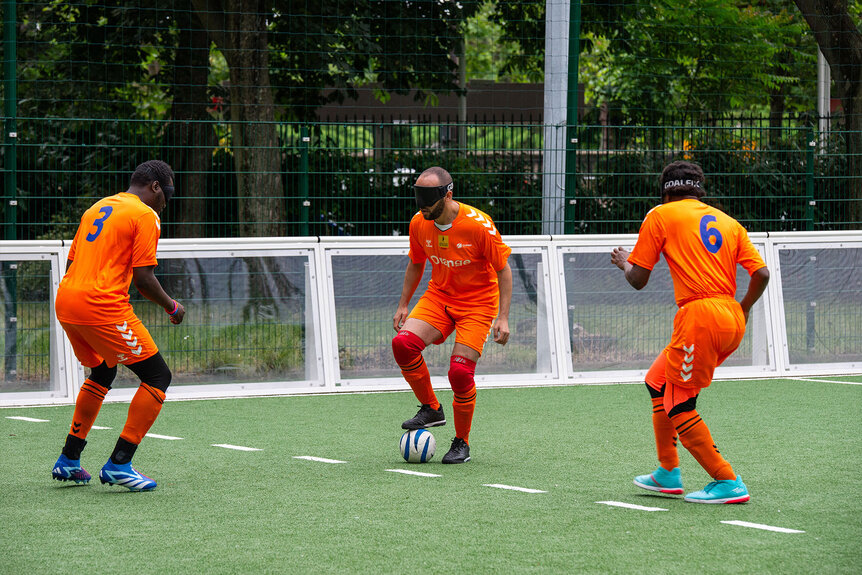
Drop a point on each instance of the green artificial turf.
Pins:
(797, 445)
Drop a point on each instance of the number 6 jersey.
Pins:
(116, 234)
(702, 246)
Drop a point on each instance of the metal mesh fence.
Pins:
(314, 119)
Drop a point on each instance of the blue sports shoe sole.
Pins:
(125, 476)
(70, 470)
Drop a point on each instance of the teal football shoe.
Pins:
(723, 491)
(661, 480)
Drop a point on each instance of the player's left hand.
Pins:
(501, 331)
(177, 318)
(619, 257)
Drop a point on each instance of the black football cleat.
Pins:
(458, 453)
(425, 418)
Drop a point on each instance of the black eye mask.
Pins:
(168, 191)
(427, 196)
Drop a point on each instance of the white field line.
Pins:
(764, 527)
(236, 447)
(99, 427)
(33, 419)
(419, 473)
(157, 436)
(320, 459)
(513, 488)
(826, 381)
(631, 506)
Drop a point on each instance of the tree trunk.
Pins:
(239, 29)
(191, 138)
(257, 156)
(841, 43)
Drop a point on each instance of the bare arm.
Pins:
(756, 287)
(635, 275)
(412, 277)
(146, 282)
(501, 324)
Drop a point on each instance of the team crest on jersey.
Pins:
(442, 241)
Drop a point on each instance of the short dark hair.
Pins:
(682, 179)
(442, 175)
(152, 171)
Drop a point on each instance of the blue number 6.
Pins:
(710, 237)
(105, 211)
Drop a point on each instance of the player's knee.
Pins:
(103, 375)
(153, 371)
(461, 374)
(406, 347)
(687, 405)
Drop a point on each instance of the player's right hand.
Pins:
(177, 318)
(399, 318)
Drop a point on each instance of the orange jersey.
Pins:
(702, 246)
(116, 234)
(465, 258)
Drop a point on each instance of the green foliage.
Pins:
(488, 54)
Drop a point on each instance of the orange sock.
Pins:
(419, 378)
(144, 409)
(665, 435)
(463, 406)
(695, 436)
(87, 407)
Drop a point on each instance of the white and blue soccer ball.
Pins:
(418, 446)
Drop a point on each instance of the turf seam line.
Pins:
(762, 526)
(513, 488)
(236, 447)
(631, 506)
(320, 459)
(419, 473)
(32, 419)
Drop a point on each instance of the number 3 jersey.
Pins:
(466, 257)
(116, 234)
(702, 246)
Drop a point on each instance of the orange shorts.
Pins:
(705, 333)
(471, 324)
(126, 343)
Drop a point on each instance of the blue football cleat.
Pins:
(723, 491)
(125, 476)
(661, 480)
(70, 470)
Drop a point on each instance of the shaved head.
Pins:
(434, 176)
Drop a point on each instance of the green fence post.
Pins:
(10, 112)
(9, 270)
(572, 116)
(810, 144)
(810, 320)
(305, 140)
